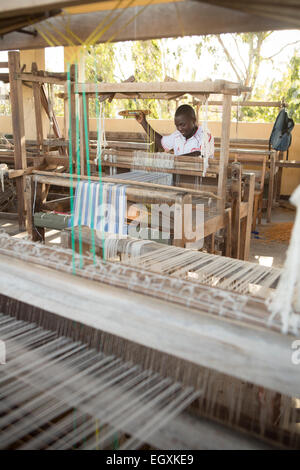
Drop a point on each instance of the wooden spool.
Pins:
(133, 112)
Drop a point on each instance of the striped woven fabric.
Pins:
(101, 206)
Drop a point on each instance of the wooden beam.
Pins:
(236, 209)
(4, 77)
(21, 7)
(29, 77)
(66, 178)
(133, 192)
(33, 197)
(57, 204)
(246, 222)
(9, 25)
(224, 150)
(9, 215)
(253, 354)
(36, 88)
(195, 18)
(207, 86)
(17, 173)
(287, 163)
(265, 104)
(271, 184)
(18, 126)
(83, 138)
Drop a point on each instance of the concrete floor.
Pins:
(261, 251)
(266, 252)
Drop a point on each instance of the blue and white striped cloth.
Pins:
(101, 206)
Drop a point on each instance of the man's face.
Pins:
(185, 125)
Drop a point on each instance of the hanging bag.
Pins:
(281, 137)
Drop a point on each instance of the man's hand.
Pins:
(141, 118)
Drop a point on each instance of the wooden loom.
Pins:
(213, 270)
(187, 166)
(184, 347)
(191, 352)
(197, 335)
(188, 172)
(250, 152)
(151, 193)
(123, 90)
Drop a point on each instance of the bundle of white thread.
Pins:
(3, 171)
(101, 141)
(285, 301)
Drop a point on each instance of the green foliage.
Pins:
(292, 95)
(5, 108)
(100, 67)
(58, 104)
(153, 60)
(147, 58)
(288, 87)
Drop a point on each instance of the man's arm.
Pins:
(141, 119)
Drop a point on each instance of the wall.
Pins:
(291, 178)
(247, 130)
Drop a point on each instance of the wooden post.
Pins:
(224, 150)
(247, 221)
(36, 88)
(187, 224)
(66, 114)
(83, 102)
(278, 179)
(180, 201)
(83, 136)
(33, 204)
(236, 208)
(29, 202)
(70, 132)
(271, 185)
(228, 232)
(18, 126)
(65, 237)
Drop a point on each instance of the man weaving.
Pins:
(186, 140)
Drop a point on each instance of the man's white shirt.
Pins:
(180, 145)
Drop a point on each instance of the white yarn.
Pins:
(157, 161)
(286, 299)
(101, 139)
(3, 171)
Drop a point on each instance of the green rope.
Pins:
(116, 442)
(78, 160)
(100, 152)
(87, 150)
(71, 169)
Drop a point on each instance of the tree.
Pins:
(243, 53)
(289, 87)
(100, 67)
(147, 58)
